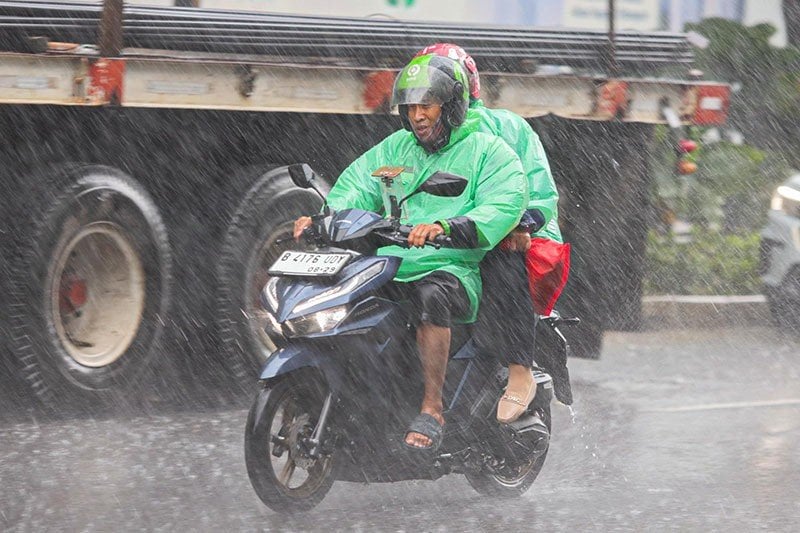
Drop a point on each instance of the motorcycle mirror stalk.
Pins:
(438, 184)
(303, 176)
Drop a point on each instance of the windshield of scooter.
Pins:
(392, 192)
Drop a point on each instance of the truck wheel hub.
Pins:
(98, 295)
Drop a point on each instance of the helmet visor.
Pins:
(419, 83)
(418, 95)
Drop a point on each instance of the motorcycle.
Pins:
(337, 395)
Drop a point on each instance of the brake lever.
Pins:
(439, 241)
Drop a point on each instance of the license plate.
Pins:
(292, 263)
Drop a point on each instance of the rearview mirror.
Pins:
(438, 184)
(302, 175)
(444, 184)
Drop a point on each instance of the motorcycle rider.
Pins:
(505, 279)
(439, 135)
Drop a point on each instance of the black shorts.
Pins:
(438, 298)
(506, 323)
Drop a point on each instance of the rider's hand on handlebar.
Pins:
(299, 225)
(424, 232)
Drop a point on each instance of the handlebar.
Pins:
(309, 234)
(437, 242)
(441, 240)
(393, 234)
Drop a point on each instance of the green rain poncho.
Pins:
(494, 199)
(519, 135)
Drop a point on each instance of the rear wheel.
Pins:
(90, 291)
(283, 473)
(784, 310)
(509, 481)
(259, 232)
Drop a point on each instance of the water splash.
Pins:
(572, 414)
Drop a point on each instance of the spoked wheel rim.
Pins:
(513, 477)
(298, 475)
(97, 294)
(259, 319)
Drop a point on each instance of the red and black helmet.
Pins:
(456, 53)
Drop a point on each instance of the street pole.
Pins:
(111, 28)
(613, 68)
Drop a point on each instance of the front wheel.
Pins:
(508, 481)
(286, 477)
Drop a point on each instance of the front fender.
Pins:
(257, 409)
(303, 355)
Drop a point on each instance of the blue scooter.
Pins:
(337, 395)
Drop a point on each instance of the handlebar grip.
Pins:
(309, 234)
(439, 241)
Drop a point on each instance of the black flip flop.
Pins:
(426, 425)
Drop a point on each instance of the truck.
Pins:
(144, 170)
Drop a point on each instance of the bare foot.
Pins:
(418, 440)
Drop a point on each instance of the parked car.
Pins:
(779, 265)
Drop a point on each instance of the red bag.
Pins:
(547, 262)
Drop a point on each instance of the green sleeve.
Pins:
(543, 193)
(519, 135)
(356, 188)
(501, 193)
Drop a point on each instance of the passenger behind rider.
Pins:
(439, 135)
(507, 320)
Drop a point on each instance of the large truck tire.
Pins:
(90, 287)
(260, 230)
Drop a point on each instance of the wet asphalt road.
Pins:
(673, 430)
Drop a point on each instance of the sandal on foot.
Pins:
(426, 425)
(514, 403)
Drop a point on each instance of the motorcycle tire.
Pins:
(495, 485)
(280, 415)
(90, 287)
(260, 230)
(784, 312)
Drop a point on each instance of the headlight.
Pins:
(316, 322)
(786, 199)
(343, 288)
(269, 296)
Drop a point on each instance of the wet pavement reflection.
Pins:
(690, 430)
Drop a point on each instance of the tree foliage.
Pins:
(708, 263)
(726, 200)
(730, 190)
(766, 105)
